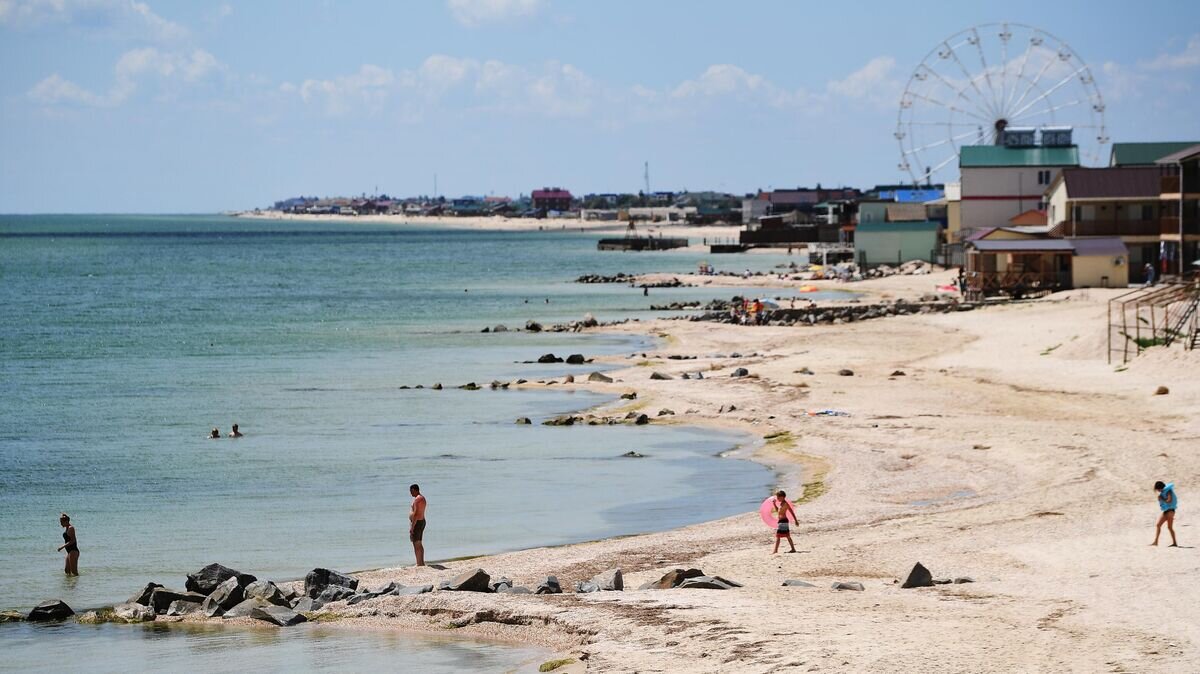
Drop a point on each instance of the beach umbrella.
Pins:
(768, 512)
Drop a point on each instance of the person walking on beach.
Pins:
(784, 510)
(416, 523)
(70, 545)
(1167, 503)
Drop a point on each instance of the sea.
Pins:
(125, 338)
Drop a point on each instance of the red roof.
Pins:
(548, 193)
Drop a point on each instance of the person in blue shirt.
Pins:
(1167, 503)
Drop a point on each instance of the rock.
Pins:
(963, 579)
(898, 373)
(304, 605)
(243, 609)
(942, 581)
(1161, 391)
(470, 581)
(161, 598)
(207, 579)
(666, 412)
(846, 373)
(486, 330)
(918, 577)
(596, 376)
(412, 590)
(708, 583)
(360, 598)
(523, 421)
(318, 579)
(660, 376)
(497, 584)
(641, 420)
(13, 616)
(49, 611)
(132, 612)
(633, 455)
(444, 585)
(549, 358)
(792, 582)
(180, 607)
(333, 593)
(533, 326)
(570, 379)
(575, 359)
(226, 596)
(472, 386)
(740, 372)
(549, 586)
(610, 581)
(586, 586)
(672, 579)
(277, 615)
(143, 596)
(564, 420)
(509, 589)
(629, 396)
(857, 587)
(804, 370)
(267, 592)
(522, 381)
(436, 387)
(500, 328)
(589, 321)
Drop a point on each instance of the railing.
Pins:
(1116, 228)
(1015, 283)
(1148, 317)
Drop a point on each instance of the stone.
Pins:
(360, 598)
(13, 616)
(918, 577)
(243, 609)
(708, 583)
(495, 585)
(846, 373)
(472, 386)
(277, 615)
(304, 605)
(412, 590)
(660, 376)
(510, 589)
(586, 586)
(549, 358)
(633, 455)
(942, 581)
(470, 581)
(961, 580)
(549, 586)
(500, 328)
(49, 611)
(1161, 391)
(804, 370)
(740, 372)
(792, 582)
(533, 326)
(226, 596)
(575, 359)
(666, 412)
(161, 598)
(334, 593)
(570, 379)
(602, 378)
(898, 373)
(641, 420)
(564, 420)
(671, 579)
(266, 591)
(318, 579)
(143, 596)
(857, 587)
(610, 581)
(132, 612)
(523, 421)
(207, 579)
(628, 396)
(436, 387)
(180, 607)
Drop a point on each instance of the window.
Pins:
(1043, 177)
(1077, 213)
(1147, 212)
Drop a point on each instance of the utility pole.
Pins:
(646, 177)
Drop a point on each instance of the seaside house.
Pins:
(1015, 261)
(1145, 154)
(1001, 181)
(551, 199)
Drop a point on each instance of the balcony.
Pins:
(1118, 227)
(1170, 184)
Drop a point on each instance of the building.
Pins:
(1145, 154)
(551, 199)
(1002, 181)
(753, 209)
(894, 243)
(1180, 197)
(1007, 262)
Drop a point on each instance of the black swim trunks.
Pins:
(418, 530)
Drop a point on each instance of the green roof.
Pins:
(985, 156)
(1137, 154)
(911, 226)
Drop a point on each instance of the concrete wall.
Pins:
(891, 247)
(1089, 271)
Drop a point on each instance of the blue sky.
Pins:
(156, 106)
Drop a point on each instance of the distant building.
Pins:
(893, 243)
(753, 209)
(1145, 154)
(551, 199)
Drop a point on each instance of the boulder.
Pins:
(660, 376)
(500, 328)
(857, 587)
(549, 358)
(629, 396)
(1161, 391)
(792, 582)
(304, 605)
(472, 386)
(509, 589)
(963, 580)
(318, 579)
(266, 591)
(666, 412)
(131, 612)
(633, 455)
(333, 593)
(523, 421)
(671, 579)
(898, 373)
(564, 420)
(49, 611)
(180, 607)
(610, 581)
(17, 616)
(942, 581)
(413, 589)
(708, 583)
(470, 581)
(589, 321)
(226, 596)
(277, 615)
(740, 372)
(495, 585)
(143, 596)
(575, 359)
(570, 379)
(161, 598)
(549, 586)
(243, 609)
(846, 373)
(602, 378)
(533, 326)
(207, 579)
(918, 577)
(641, 420)
(436, 387)
(585, 586)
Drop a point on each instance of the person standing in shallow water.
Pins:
(1167, 503)
(416, 523)
(70, 545)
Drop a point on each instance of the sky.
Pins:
(188, 107)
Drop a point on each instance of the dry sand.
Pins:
(1009, 452)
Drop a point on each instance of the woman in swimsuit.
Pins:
(70, 545)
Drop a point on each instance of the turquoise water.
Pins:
(125, 339)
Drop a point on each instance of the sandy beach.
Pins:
(996, 445)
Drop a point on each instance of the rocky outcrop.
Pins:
(586, 586)
(318, 579)
(207, 579)
(331, 594)
(50, 611)
(740, 372)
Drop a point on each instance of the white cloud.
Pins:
(369, 87)
(55, 90)
(110, 16)
(867, 80)
(725, 80)
(1188, 58)
(131, 69)
(475, 12)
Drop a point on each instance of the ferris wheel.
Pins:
(981, 80)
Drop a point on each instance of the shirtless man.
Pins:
(236, 433)
(784, 509)
(416, 523)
